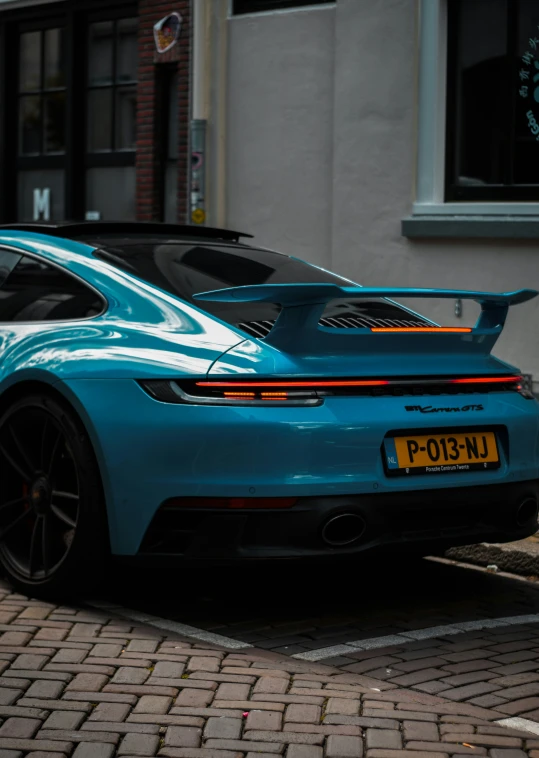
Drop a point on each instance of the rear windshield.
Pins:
(185, 269)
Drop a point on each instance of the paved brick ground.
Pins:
(74, 682)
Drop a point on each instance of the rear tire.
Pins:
(53, 526)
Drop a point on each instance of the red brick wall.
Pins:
(151, 11)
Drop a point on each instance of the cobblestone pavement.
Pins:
(81, 683)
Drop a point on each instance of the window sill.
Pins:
(471, 227)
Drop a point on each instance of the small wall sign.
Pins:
(42, 204)
(167, 32)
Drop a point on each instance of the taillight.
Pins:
(289, 392)
(488, 380)
(229, 393)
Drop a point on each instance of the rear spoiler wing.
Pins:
(302, 306)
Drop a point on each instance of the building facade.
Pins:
(94, 119)
(393, 141)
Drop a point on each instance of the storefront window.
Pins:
(41, 125)
(42, 94)
(69, 136)
(112, 61)
(493, 100)
(111, 119)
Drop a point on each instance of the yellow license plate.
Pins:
(441, 453)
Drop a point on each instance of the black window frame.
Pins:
(75, 16)
(244, 7)
(507, 192)
(113, 157)
(69, 274)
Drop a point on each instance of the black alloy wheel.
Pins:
(53, 531)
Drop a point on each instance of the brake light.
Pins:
(291, 385)
(423, 329)
(488, 380)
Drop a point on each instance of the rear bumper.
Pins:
(428, 519)
(330, 457)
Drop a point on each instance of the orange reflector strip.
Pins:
(335, 383)
(274, 394)
(488, 380)
(423, 329)
(249, 395)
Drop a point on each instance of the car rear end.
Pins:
(339, 422)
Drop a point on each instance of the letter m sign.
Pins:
(42, 204)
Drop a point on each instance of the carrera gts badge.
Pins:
(430, 409)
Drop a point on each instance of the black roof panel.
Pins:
(81, 229)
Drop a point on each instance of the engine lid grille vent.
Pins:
(261, 329)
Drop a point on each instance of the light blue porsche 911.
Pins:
(174, 392)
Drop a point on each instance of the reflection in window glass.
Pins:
(126, 118)
(111, 191)
(100, 53)
(100, 120)
(35, 291)
(54, 59)
(30, 125)
(482, 79)
(55, 122)
(127, 55)
(30, 62)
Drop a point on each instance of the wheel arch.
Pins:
(59, 392)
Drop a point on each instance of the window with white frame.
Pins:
(492, 117)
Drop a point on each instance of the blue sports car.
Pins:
(177, 392)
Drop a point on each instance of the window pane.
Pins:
(482, 89)
(30, 125)
(111, 192)
(54, 58)
(126, 118)
(30, 62)
(100, 120)
(127, 54)
(35, 291)
(526, 150)
(34, 201)
(100, 53)
(255, 6)
(8, 261)
(55, 122)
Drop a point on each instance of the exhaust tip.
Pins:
(527, 511)
(343, 529)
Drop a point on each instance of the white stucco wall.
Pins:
(321, 155)
(280, 129)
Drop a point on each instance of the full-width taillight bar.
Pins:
(323, 384)
(311, 392)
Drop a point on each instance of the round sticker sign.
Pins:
(198, 216)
